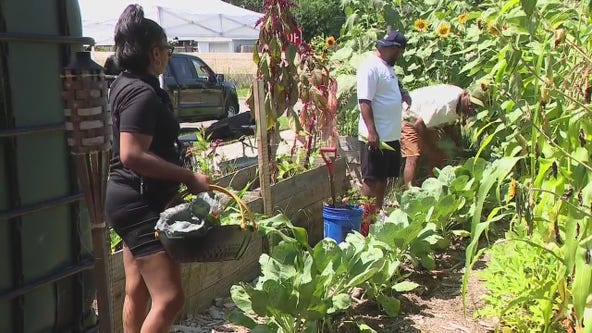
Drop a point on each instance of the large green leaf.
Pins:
(340, 302)
(365, 328)
(241, 298)
(343, 53)
(241, 319)
(494, 173)
(263, 329)
(581, 283)
(405, 286)
(391, 305)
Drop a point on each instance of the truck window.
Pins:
(202, 70)
(183, 70)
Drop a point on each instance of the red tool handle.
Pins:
(329, 154)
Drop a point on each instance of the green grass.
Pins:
(243, 92)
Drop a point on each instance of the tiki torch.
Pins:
(89, 135)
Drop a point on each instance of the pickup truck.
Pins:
(197, 92)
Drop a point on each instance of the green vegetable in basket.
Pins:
(196, 216)
(200, 207)
(206, 207)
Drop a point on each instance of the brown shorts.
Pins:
(410, 141)
(412, 144)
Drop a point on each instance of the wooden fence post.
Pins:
(262, 145)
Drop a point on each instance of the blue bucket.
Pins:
(339, 221)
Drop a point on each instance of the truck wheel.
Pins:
(231, 109)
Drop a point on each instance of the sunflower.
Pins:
(492, 28)
(420, 25)
(330, 41)
(443, 30)
(463, 18)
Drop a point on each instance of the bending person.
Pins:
(435, 110)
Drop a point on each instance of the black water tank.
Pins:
(45, 245)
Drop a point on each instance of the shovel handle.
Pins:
(329, 154)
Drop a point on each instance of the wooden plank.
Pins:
(204, 282)
(240, 178)
(117, 290)
(262, 145)
(313, 184)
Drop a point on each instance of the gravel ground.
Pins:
(210, 321)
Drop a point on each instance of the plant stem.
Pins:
(564, 200)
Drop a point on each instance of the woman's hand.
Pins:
(198, 183)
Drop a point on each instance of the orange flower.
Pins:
(511, 191)
(492, 28)
(443, 30)
(420, 25)
(463, 18)
(330, 41)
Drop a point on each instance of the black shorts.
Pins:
(380, 164)
(133, 216)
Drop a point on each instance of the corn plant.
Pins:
(538, 82)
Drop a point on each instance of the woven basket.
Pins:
(220, 243)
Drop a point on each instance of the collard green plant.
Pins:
(302, 287)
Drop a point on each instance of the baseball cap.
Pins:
(392, 38)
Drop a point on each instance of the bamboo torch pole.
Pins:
(89, 134)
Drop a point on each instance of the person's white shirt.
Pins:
(435, 105)
(378, 83)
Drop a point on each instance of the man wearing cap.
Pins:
(380, 100)
(433, 110)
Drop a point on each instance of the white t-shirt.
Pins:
(436, 105)
(377, 82)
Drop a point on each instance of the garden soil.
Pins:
(435, 307)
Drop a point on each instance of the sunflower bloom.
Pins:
(330, 41)
(463, 18)
(420, 25)
(443, 30)
(492, 28)
(511, 190)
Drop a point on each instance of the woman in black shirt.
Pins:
(145, 173)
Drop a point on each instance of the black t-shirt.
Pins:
(139, 105)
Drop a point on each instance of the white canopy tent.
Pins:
(207, 21)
